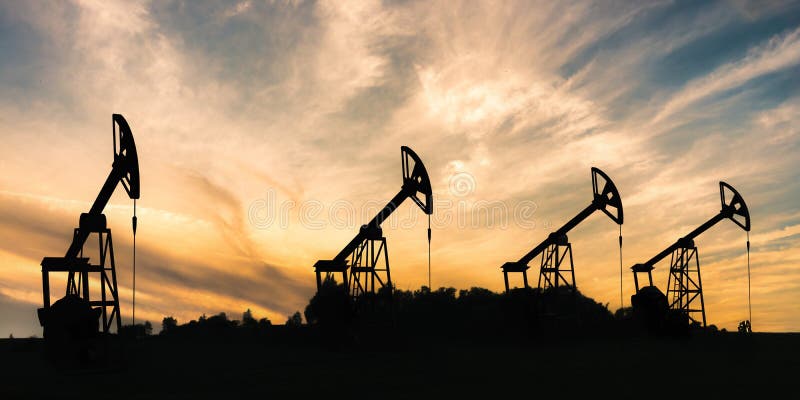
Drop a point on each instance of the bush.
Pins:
(295, 320)
(168, 324)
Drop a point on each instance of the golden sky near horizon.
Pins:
(267, 132)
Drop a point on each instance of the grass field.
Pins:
(720, 365)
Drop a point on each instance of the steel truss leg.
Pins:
(684, 285)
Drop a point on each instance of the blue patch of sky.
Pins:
(23, 59)
(32, 65)
(650, 22)
(755, 96)
(728, 44)
(683, 136)
(731, 41)
(776, 87)
(782, 200)
(760, 93)
(250, 47)
(653, 22)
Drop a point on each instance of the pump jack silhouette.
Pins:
(556, 248)
(684, 286)
(72, 321)
(366, 257)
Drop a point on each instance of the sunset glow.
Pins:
(268, 132)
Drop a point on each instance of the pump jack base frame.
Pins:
(551, 273)
(80, 267)
(513, 266)
(330, 268)
(551, 270)
(367, 269)
(684, 285)
(370, 260)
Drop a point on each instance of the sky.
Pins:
(269, 131)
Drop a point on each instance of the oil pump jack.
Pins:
(556, 248)
(366, 256)
(684, 286)
(74, 318)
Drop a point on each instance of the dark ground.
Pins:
(709, 365)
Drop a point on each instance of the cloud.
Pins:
(169, 282)
(776, 54)
(753, 10)
(18, 317)
(309, 101)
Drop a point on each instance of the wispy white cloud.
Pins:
(777, 53)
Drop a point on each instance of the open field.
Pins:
(712, 365)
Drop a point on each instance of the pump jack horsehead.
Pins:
(73, 320)
(556, 250)
(684, 286)
(365, 260)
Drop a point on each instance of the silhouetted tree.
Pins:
(247, 319)
(168, 324)
(295, 320)
(219, 321)
(330, 306)
(137, 330)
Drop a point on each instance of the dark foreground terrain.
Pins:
(708, 365)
